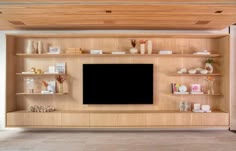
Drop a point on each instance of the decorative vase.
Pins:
(30, 47)
(149, 46)
(209, 67)
(40, 47)
(133, 50)
(142, 48)
(60, 90)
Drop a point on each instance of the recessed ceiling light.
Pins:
(219, 11)
(202, 22)
(108, 11)
(16, 22)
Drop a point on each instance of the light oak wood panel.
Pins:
(75, 119)
(14, 119)
(116, 15)
(47, 119)
(103, 120)
(131, 119)
(212, 119)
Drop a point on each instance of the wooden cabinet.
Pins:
(164, 112)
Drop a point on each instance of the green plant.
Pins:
(210, 61)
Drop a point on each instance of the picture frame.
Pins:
(54, 50)
(60, 67)
(195, 88)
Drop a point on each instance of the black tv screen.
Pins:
(117, 83)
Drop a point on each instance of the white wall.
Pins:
(3, 52)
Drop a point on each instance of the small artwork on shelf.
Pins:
(196, 89)
(178, 89)
(60, 67)
(54, 50)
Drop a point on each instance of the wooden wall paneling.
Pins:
(14, 119)
(10, 78)
(232, 78)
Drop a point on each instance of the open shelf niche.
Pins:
(164, 112)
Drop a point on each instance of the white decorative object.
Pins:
(206, 108)
(196, 106)
(142, 48)
(182, 71)
(165, 52)
(96, 52)
(192, 71)
(51, 86)
(182, 88)
(40, 47)
(202, 52)
(149, 47)
(30, 47)
(51, 69)
(209, 67)
(203, 71)
(133, 50)
(54, 50)
(118, 52)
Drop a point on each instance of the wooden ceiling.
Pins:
(117, 14)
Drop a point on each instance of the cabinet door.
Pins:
(132, 119)
(75, 119)
(160, 119)
(47, 119)
(15, 119)
(210, 119)
(103, 119)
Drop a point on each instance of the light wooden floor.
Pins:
(118, 141)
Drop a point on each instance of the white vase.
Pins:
(209, 67)
(133, 50)
(29, 47)
(149, 47)
(40, 47)
(142, 48)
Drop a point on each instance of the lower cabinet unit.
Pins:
(75, 119)
(117, 120)
(131, 120)
(103, 119)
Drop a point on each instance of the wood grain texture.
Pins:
(117, 15)
(163, 67)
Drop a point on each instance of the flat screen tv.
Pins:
(117, 83)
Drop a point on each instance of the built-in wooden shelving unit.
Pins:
(34, 94)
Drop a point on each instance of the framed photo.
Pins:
(60, 67)
(196, 88)
(54, 50)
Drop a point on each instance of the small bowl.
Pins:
(203, 71)
(192, 71)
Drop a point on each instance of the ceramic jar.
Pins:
(30, 47)
(142, 48)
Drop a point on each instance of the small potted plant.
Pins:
(60, 79)
(208, 65)
(133, 50)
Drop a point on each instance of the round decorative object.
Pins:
(182, 88)
(192, 71)
(203, 71)
(209, 67)
(133, 50)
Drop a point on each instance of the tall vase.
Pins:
(149, 47)
(29, 47)
(60, 89)
(142, 48)
(40, 47)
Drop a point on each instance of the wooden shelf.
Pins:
(117, 55)
(117, 111)
(217, 94)
(212, 74)
(51, 74)
(41, 94)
